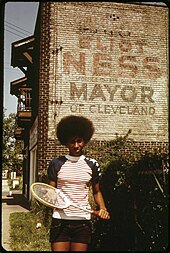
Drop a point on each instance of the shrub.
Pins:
(135, 189)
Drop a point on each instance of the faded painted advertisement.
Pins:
(109, 63)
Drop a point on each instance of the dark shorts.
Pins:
(70, 230)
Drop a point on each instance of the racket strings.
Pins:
(51, 196)
(60, 201)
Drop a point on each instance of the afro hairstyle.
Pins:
(74, 126)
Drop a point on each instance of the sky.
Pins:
(19, 23)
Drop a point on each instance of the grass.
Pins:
(24, 236)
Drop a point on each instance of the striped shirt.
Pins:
(73, 176)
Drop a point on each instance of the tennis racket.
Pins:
(54, 198)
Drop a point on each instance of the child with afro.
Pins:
(73, 174)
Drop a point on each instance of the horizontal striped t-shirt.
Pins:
(73, 176)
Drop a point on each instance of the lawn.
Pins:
(25, 236)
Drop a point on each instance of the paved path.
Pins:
(10, 204)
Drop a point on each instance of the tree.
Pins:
(11, 148)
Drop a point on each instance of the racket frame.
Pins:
(40, 199)
(68, 202)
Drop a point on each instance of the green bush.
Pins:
(135, 189)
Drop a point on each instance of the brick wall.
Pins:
(108, 62)
(44, 39)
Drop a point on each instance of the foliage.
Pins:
(17, 187)
(11, 148)
(135, 189)
(44, 212)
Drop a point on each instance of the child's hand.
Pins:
(103, 213)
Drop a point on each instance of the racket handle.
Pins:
(95, 212)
